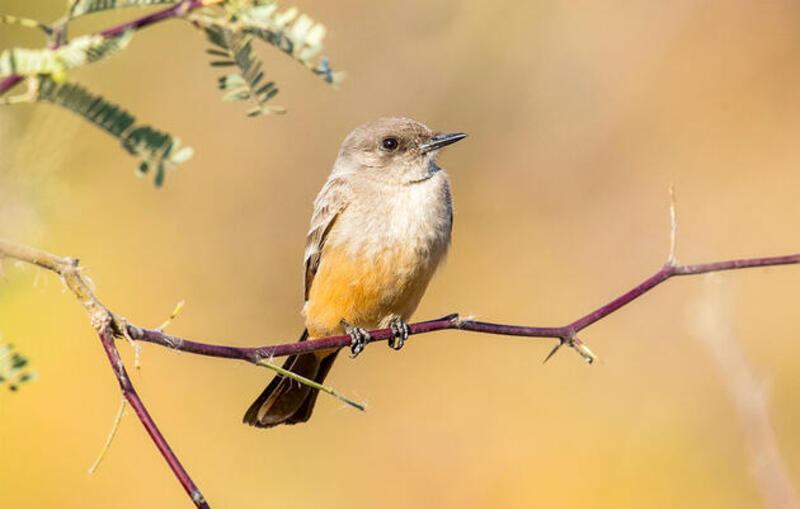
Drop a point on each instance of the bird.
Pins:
(380, 227)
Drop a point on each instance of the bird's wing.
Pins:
(330, 202)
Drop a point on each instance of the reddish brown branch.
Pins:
(566, 333)
(109, 324)
(107, 339)
(174, 11)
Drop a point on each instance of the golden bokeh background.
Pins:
(580, 116)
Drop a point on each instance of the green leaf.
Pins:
(216, 52)
(293, 33)
(230, 81)
(11, 367)
(182, 155)
(79, 51)
(151, 146)
(237, 95)
(246, 84)
(82, 7)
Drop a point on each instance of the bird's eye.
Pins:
(389, 144)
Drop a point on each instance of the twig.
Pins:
(565, 333)
(174, 11)
(673, 230)
(109, 325)
(26, 22)
(172, 316)
(311, 383)
(110, 437)
(107, 340)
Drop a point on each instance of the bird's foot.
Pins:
(359, 337)
(400, 333)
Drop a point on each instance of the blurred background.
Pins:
(580, 116)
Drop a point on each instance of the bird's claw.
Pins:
(359, 337)
(400, 333)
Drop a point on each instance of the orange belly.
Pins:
(366, 291)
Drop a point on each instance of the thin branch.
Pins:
(311, 383)
(565, 333)
(110, 437)
(8, 82)
(107, 339)
(174, 11)
(26, 22)
(108, 325)
(673, 230)
(172, 316)
(29, 96)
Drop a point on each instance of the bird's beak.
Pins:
(441, 140)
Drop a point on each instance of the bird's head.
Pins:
(393, 150)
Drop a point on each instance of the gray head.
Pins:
(393, 150)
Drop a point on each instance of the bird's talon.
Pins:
(400, 332)
(359, 337)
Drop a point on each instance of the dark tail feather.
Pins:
(304, 412)
(286, 401)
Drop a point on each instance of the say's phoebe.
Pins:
(381, 225)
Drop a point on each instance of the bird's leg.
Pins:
(359, 337)
(399, 333)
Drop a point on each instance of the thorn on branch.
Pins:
(584, 351)
(554, 350)
(577, 345)
(455, 318)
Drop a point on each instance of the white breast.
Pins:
(416, 217)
